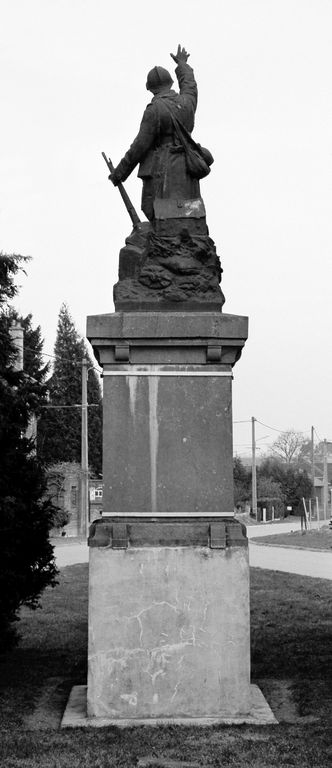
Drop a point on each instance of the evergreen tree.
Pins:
(26, 556)
(242, 481)
(59, 429)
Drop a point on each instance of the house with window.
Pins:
(64, 484)
(95, 499)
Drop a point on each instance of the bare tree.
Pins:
(288, 445)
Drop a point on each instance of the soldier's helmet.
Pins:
(157, 78)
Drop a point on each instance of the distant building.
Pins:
(318, 491)
(95, 499)
(64, 489)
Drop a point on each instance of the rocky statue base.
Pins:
(169, 268)
(169, 632)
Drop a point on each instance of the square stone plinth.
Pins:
(76, 716)
(168, 633)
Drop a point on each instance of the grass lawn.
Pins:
(291, 661)
(310, 540)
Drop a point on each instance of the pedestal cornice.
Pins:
(167, 338)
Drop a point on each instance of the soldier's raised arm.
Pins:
(185, 77)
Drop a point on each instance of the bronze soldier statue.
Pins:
(169, 261)
(157, 147)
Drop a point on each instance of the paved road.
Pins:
(71, 554)
(305, 562)
(269, 529)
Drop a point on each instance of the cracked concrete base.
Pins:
(168, 632)
(75, 715)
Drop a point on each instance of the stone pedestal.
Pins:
(168, 573)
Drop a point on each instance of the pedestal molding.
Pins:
(120, 532)
(168, 337)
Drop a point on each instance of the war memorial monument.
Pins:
(169, 630)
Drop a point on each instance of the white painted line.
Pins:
(168, 373)
(155, 515)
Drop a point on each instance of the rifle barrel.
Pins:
(125, 197)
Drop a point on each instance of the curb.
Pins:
(289, 546)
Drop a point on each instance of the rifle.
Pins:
(125, 197)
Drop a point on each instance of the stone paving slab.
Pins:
(75, 715)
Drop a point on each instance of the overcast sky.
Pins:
(72, 84)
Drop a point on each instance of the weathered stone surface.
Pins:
(212, 325)
(167, 440)
(168, 632)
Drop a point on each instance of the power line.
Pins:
(275, 428)
(249, 444)
(64, 359)
(268, 426)
(285, 430)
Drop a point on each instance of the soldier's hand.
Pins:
(180, 55)
(113, 178)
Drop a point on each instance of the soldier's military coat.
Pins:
(157, 148)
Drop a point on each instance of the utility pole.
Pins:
(84, 523)
(325, 480)
(312, 459)
(253, 471)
